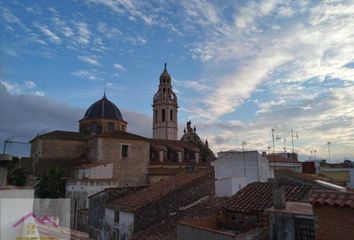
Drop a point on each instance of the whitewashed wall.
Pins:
(234, 169)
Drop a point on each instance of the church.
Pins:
(104, 153)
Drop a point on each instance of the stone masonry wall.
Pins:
(131, 170)
(69, 149)
(159, 210)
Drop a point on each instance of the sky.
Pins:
(239, 69)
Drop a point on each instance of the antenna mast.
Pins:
(243, 144)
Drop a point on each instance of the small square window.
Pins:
(124, 150)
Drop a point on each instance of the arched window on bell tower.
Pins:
(163, 115)
(171, 115)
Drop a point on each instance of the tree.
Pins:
(18, 177)
(51, 184)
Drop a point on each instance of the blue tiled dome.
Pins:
(103, 109)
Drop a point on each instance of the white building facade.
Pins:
(236, 169)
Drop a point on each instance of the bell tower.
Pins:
(165, 110)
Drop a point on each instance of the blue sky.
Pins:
(239, 68)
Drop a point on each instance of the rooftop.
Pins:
(124, 135)
(286, 174)
(332, 198)
(175, 144)
(133, 202)
(298, 208)
(64, 135)
(167, 229)
(258, 196)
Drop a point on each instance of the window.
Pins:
(163, 115)
(116, 216)
(155, 115)
(110, 126)
(93, 128)
(171, 115)
(124, 150)
(123, 127)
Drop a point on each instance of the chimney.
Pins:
(278, 195)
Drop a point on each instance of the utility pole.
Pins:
(284, 145)
(273, 131)
(292, 141)
(244, 143)
(314, 152)
(329, 152)
(273, 138)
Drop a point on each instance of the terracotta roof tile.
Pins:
(154, 192)
(303, 176)
(259, 196)
(332, 198)
(167, 229)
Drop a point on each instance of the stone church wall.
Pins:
(67, 149)
(129, 171)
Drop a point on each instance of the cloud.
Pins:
(63, 28)
(46, 31)
(30, 84)
(192, 84)
(109, 31)
(89, 59)
(271, 56)
(83, 33)
(135, 9)
(19, 88)
(87, 74)
(119, 67)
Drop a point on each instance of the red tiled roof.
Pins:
(154, 192)
(258, 196)
(332, 198)
(167, 229)
(303, 176)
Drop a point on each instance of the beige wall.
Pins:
(165, 129)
